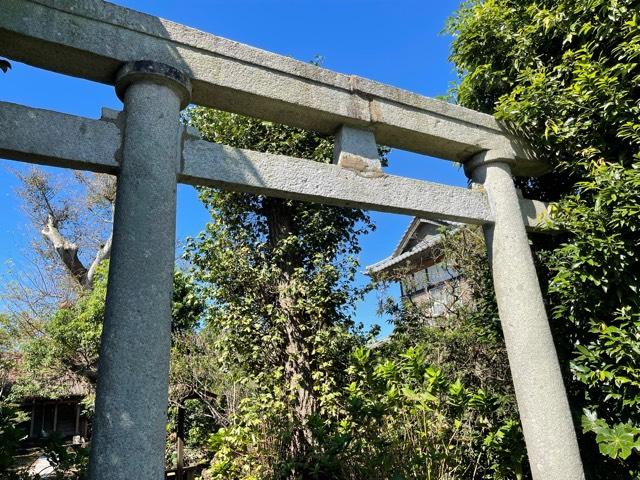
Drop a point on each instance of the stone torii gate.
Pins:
(158, 68)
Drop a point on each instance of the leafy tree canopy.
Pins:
(61, 352)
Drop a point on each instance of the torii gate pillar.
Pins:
(131, 399)
(544, 410)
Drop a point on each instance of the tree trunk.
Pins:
(298, 366)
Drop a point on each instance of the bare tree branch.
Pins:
(103, 253)
(67, 251)
(73, 228)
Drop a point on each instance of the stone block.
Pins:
(356, 150)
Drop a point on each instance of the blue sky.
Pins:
(398, 42)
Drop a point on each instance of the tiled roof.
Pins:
(397, 257)
(395, 260)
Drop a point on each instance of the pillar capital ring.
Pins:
(486, 157)
(155, 72)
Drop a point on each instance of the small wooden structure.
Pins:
(63, 416)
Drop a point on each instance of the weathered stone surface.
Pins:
(206, 163)
(356, 150)
(542, 401)
(56, 139)
(535, 214)
(154, 72)
(129, 425)
(91, 39)
(61, 140)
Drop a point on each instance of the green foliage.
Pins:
(199, 423)
(62, 360)
(64, 352)
(69, 463)
(187, 307)
(256, 440)
(595, 287)
(616, 442)
(466, 349)
(277, 276)
(564, 75)
(435, 401)
(395, 415)
(207, 386)
(408, 418)
(10, 415)
(10, 435)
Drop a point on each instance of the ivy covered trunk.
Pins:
(278, 278)
(299, 361)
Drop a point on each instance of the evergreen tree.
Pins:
(278, 276)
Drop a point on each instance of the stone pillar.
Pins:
(128, 439)
(542, 401)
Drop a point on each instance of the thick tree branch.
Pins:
(103, 253)
(67, 251)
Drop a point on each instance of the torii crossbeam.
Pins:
(158, 68)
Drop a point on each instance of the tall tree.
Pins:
(278, 275)
(55, 305)
(74, 218)
(565, 75)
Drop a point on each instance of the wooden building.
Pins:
(59, 412)
(63, 416)
(417, 263)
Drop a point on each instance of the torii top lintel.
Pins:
(91, 39)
